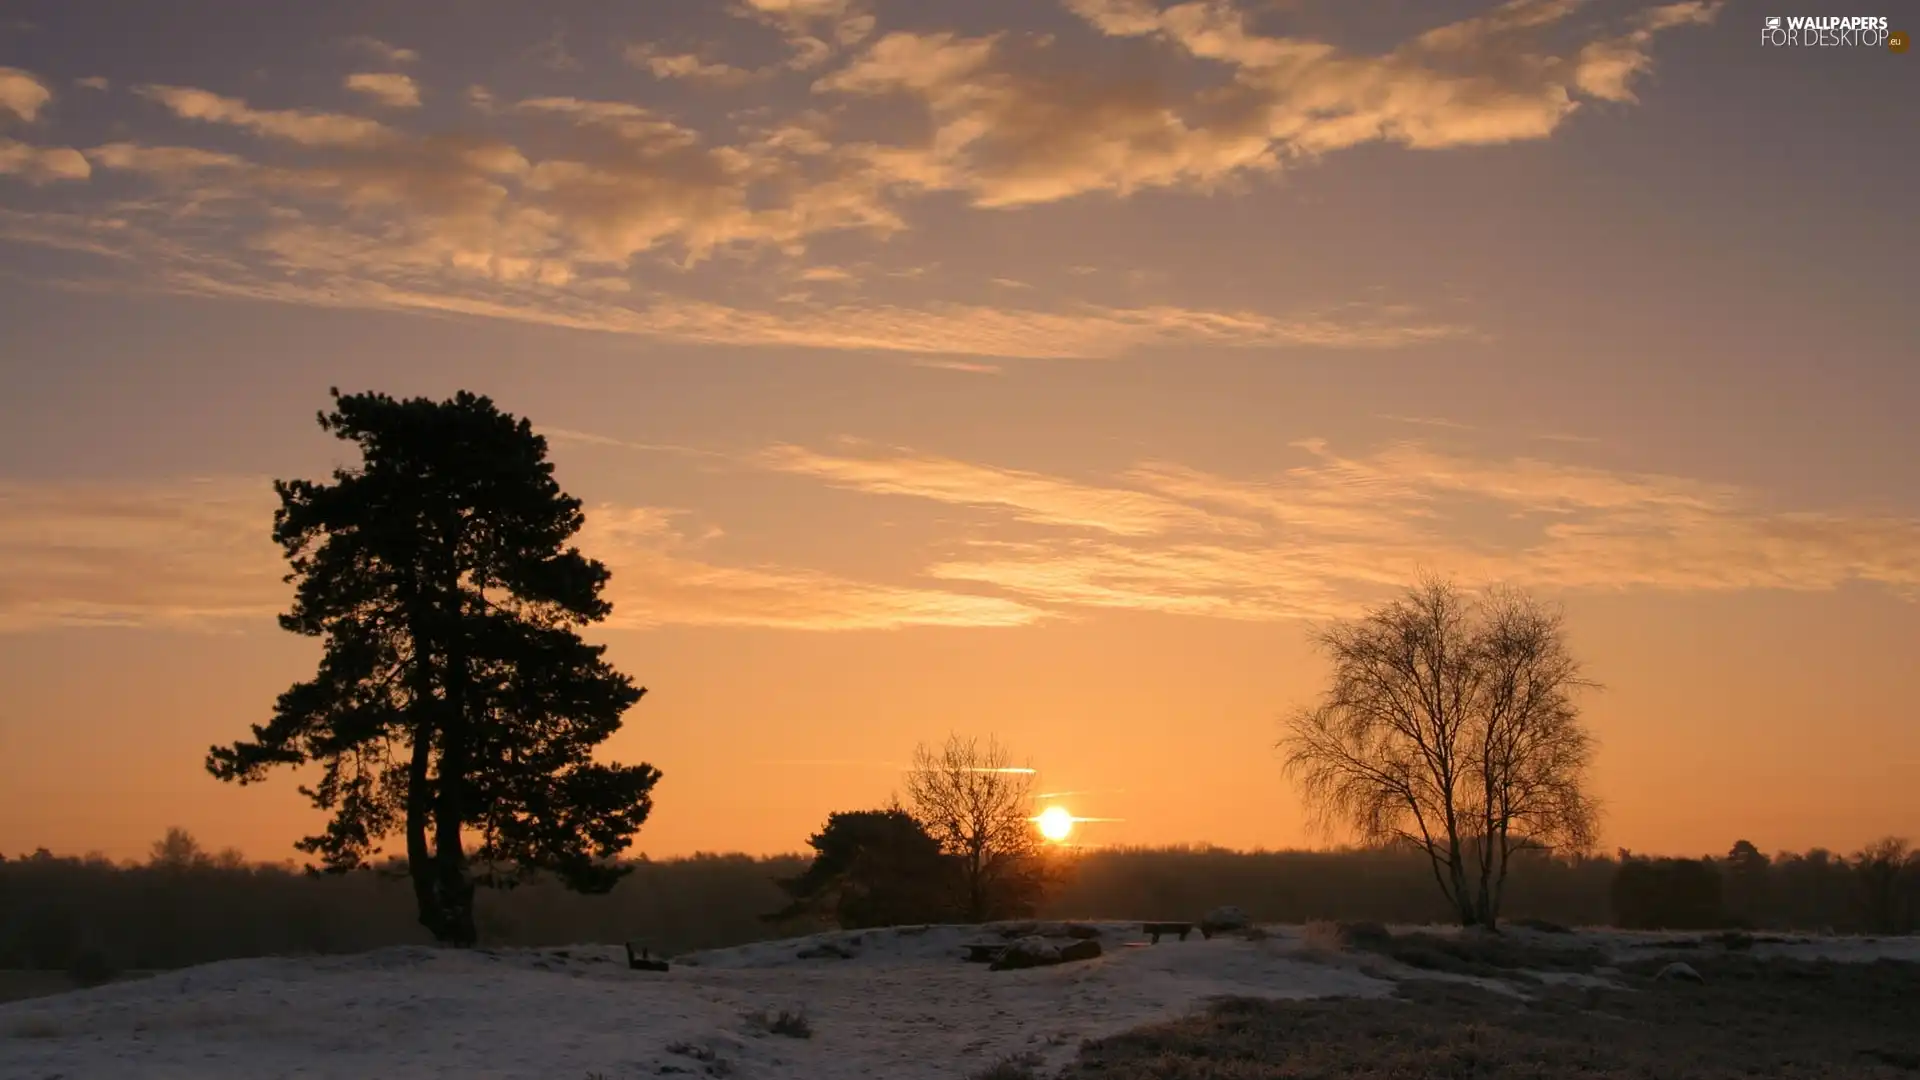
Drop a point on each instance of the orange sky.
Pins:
(1040, 371)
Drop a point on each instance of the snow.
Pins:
(900, 1004)
(903, 1005)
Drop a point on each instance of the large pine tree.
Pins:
(455, 702)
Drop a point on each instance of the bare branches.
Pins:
(1450, 725)
(979, 806)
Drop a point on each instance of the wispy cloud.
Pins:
(383, 51)
(967, 366)
(1427, 421)
(445, 266)
(389, 88)
(1339, 529)
(1030, 496)
(1314, 540)
(690, 67)
(129, 554)
(303, 126)
(42, 164)
(198, 554)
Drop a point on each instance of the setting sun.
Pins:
(1055, 823)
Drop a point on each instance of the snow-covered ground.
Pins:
(899, 1004)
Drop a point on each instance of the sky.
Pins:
(1042, 370)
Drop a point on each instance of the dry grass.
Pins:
(1323, 937)
(1016, 1067)
(1791, 1020)
(790, 1023)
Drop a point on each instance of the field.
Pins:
(1284, 1001)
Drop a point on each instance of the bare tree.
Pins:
(1450, 726)
(979, 806)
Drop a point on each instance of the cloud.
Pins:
(1315, 540)
(815, 30)
(689, 67)
(382, 51)
(1426, 421)
(552, 53)
(125, 554)
(612, 216)
(1207, 581)
(1608, 67)
(1012, 130)
(22, 94)
(966, 366)
(1339, 530)
(94, 82)
(388, 88)
(1031, 497)
(198, 554)
(42, 164)
(463, 252)
(301, 126)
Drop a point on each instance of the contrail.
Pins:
(837, 764)
(832, 764)
(588, 438)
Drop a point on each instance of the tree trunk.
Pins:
(456, 888)
(420, 865)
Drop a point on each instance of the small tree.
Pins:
(1885, 871)
(871, 868)
(1747, 893)
(1450, 726)
(454, 695)
(979, 806)
(178, 850)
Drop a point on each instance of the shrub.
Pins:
(92, 967)
(1017, 1067)
(791, 1023)
(1323, 936)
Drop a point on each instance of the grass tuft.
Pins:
(1023, 1066)
(788, 1023)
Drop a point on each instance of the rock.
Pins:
(1678, 971)
(1224, 920)
(1082, 932)
(1542, 926)
(1084, 949)
(1364, 935)
(826, 950)
(1027, 952)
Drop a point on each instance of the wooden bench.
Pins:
(1153, 930)
(642, 961)
(985, 952)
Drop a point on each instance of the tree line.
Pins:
(186, 906)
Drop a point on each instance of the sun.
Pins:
(1055, 823)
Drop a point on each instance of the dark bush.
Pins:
(92, 966)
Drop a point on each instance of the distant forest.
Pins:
(185, 906)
